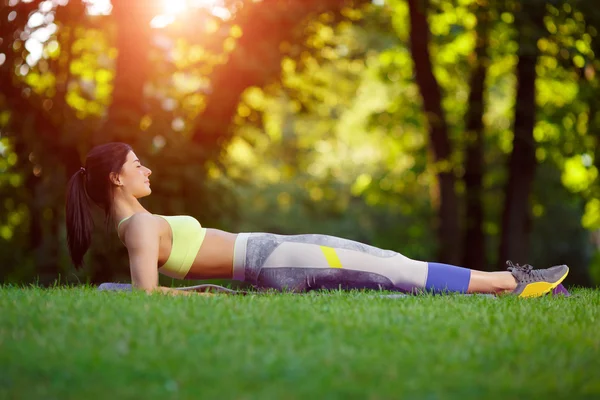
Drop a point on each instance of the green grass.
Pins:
(79, 343)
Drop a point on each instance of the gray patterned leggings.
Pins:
(305, 262)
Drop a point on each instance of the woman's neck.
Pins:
(123, 208)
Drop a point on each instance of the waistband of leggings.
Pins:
(239, 256)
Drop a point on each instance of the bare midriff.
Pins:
(214, 259)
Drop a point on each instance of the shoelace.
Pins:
(533, 275)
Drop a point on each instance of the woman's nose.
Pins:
(149, 172)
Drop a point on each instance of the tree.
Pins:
(474, 238)
(132, 71)
(448, 233)
(266, 27)
(516, 215)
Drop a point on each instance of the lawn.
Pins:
(79, 343)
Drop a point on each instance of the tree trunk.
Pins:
(516, 216)
(474, 238)
(448, 233)
(255, 61)
(132, 20)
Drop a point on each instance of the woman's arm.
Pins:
(142, 240)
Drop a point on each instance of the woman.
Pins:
(177, 246)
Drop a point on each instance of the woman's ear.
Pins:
(114, 178)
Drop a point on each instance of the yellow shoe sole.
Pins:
(538, 289)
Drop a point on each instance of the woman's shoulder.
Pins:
(143, 220)
(141, 229)
(136, 222)
(139, 217)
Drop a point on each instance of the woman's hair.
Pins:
(91, 182)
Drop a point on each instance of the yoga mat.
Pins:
(127, 287)
(559, 290)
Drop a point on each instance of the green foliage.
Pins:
(328, 135)
(320, 165)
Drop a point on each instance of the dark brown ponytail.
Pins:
(79, 218)
(91, 184)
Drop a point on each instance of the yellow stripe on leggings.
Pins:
(332, 258)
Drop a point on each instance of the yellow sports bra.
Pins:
(188, 236)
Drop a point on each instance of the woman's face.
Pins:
(134, 177)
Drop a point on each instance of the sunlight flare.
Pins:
(175, 6)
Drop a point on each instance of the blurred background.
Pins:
(457, 131)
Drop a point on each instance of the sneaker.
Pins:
(536, 282)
